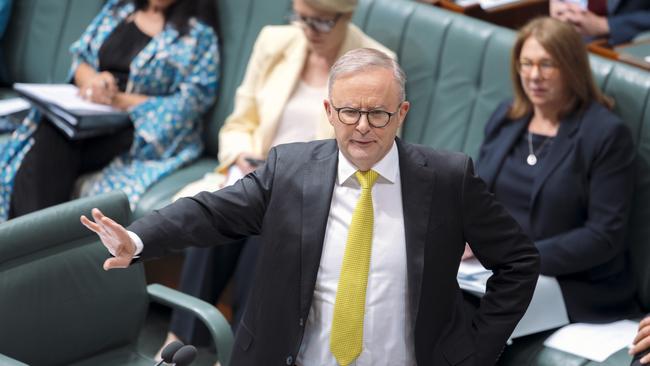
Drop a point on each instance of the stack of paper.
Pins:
(596, 342)
(65, 96)
(546, 310)
(12, 105)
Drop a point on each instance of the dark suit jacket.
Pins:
(287, 201)
(579, 207)
(627, 18)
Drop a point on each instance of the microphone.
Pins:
(184, 356)
(169, 351)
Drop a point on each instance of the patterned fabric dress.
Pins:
(180, 75)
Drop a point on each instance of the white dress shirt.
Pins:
(387, 334)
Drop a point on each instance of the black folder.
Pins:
(78, 124)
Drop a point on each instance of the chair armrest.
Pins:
(217, 325)
(8, 361)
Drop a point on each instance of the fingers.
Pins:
(645, 359)
(117, 262)
(640, 346)
(645, 322)
(642, 340)
(90, 225)
(119, 233)
(644, 331)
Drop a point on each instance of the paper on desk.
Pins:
(12, 105)
(593, 341)
(489, 4)
(64, 95)
(546, 310)
(647, 59)
(466, 2)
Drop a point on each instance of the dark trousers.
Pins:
(48, 172)
(205, 274)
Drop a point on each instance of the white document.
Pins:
(65, 96)
(466, 2)
(489, 4)
(647, 59)
(13, 105)
(546, 310)
(593, 341)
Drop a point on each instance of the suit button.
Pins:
(301, 322)
(289, 360)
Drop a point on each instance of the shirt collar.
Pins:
(387, 167)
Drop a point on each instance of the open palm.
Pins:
(114, 237)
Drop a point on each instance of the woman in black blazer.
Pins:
(562, 164)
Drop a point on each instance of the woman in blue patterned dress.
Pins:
(155, 59)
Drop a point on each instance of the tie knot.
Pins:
(367, 179)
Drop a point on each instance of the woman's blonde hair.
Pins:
(565, 45)
(335, 6)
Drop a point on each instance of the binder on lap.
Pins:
(74, 116)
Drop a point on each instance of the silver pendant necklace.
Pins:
(531, 159)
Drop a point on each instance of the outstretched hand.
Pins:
(114, 237)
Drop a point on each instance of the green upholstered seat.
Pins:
(59, 307)
(39, 35)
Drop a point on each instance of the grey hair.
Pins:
(361, 59)
(335, 6)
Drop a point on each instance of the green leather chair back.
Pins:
(39, 35)
(240, 22)
(53, 313)
(630, 88)
(456, 67)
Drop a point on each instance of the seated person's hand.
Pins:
(642, 340)
(244, 165)
(584, 21)
(467, 254)
(114, 237)
(101, 88)
(557, 9)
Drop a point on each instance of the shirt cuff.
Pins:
(138, 243)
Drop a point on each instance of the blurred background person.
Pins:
(279, 101)
(618, 20)
(156, 59)
(562, 164)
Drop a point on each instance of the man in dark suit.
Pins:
(351, 271)
(619, 20)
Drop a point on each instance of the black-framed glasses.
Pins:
(316, 24)
(377, 118)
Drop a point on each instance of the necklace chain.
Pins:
(531, 159)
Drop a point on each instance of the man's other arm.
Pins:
(500, 245)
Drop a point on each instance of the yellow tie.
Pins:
(346, 337)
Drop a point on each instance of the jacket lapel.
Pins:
(318, 187)
(491, 163)
(418, 187)
(562, 145)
